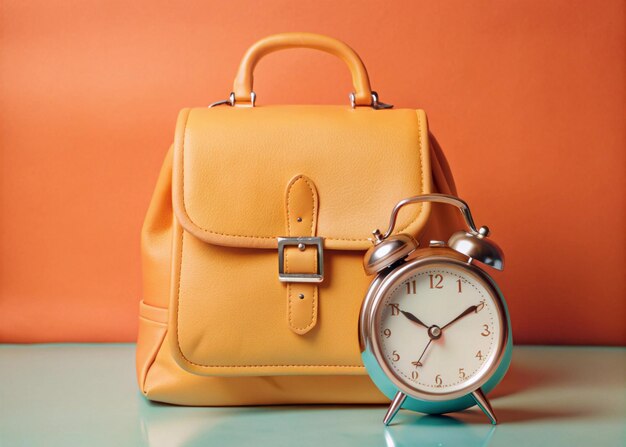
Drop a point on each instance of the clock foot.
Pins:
(483, 404)
(396, 403)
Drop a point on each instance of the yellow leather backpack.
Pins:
(253, 243)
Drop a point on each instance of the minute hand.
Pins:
(467, 311)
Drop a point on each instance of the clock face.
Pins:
(439, 330)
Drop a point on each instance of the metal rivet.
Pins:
(301, 247)
(301, 296)
(299, 219)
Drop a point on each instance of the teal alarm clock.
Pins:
(434, 328)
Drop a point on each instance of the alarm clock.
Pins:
(434, 327)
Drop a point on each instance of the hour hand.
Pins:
(413, 318)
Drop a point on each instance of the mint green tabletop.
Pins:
(85, 395)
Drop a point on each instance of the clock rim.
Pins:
(384, 282)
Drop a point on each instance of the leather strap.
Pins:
(301, 219)
(242, 87)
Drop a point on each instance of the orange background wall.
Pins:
(526, 97)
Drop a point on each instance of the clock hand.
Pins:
(419, 363)
(467, 311)
(413, 318)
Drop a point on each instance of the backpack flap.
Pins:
(320, 177)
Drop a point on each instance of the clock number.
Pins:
(438, 380)
(479, 355)
(435, 281)
(387, 333)
(459, 282)
(395, 309)
(486, 332)
(414, 375)
(395, 356)
(480, 306)
(461, 373)
(411, 288)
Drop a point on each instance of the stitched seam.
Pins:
(289, 303)
(231, 366)
(180, 351)
(421, 187)
(419, 139)
(289, 291)
(314, 210)
(313, 308)
(289, 288)
(264, 237)
(182, 240)
(314, 288)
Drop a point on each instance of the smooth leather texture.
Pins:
(228, 332)
(301, 204)
(362, 162)
(162, 379)
(243, 85)
(227, 311)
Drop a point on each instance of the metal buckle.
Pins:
(300, 242)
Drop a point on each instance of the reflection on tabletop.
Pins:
(86, 395)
